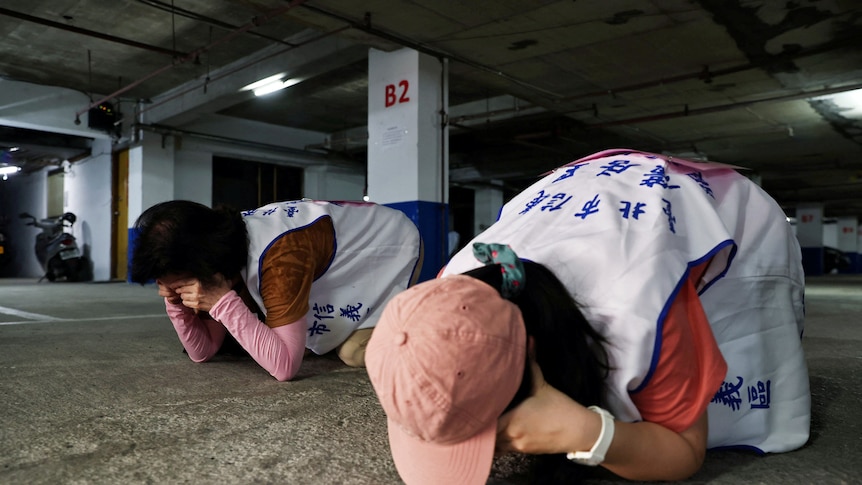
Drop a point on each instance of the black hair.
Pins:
(570, 353)
(182, 236)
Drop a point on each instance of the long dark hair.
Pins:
(182, 236)
(569, 351)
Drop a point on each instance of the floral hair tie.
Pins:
(510, 266)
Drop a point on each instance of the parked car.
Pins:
(834, 260)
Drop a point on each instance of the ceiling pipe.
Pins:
(207, 20)
(91, 33)
(515, 140)
(303, 157)
(725, 107)
(255, 22)
(366, 27)
(846, 193)
(707, 75)
(492, 114)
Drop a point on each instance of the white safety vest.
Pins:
(621, 229)
(376, 251)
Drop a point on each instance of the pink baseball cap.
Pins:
(445, 359)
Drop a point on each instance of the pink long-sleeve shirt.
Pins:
(279, 350)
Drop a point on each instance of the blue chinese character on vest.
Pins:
(351, 312)
(627, 209)
(759, 395)
(540, 197)
(728, 394)
(698, 177)
(658, 177)
(590, 207)
(568, 172)
(616, 166)
(671, 220)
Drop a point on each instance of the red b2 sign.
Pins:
(390, 93)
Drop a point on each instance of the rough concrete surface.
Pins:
(94, 388)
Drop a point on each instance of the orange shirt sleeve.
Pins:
(289, 268)
(690, 368)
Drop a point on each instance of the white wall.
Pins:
(88, 196)
(23, 193)
(151, 174)
(846, 238)
(193, 175)
(323, 183)
(830, 235)
(486, 207)
(44, 108)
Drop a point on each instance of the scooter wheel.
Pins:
(76, 269)
(55, 268)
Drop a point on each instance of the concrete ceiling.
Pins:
(533, 83)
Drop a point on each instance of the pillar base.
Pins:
(432, 220)
(855, 263)
(133, 241)
(812, 261)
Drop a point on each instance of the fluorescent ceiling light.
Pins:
(269, 88)
(849, 102)
(263, 82)
(274, 86)
(9, 170)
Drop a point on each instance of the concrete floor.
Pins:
(94, 388)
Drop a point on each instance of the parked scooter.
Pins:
(56, 249)
(4, 251)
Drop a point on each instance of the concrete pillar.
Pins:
(488, 202)
(151, 178)
(809, 231)
(847, 240)
(858, 258)
(407, 144)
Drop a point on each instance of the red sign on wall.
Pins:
(807, 217)
(399, 95)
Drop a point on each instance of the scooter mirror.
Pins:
(24, 215)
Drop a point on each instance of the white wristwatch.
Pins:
(597, 453)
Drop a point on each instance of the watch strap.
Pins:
(597, 453)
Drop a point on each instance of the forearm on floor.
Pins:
(649, 451)
(201, 338)
(279, 350)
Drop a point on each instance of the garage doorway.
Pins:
(244, 184)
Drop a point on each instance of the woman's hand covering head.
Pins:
(445, 359)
